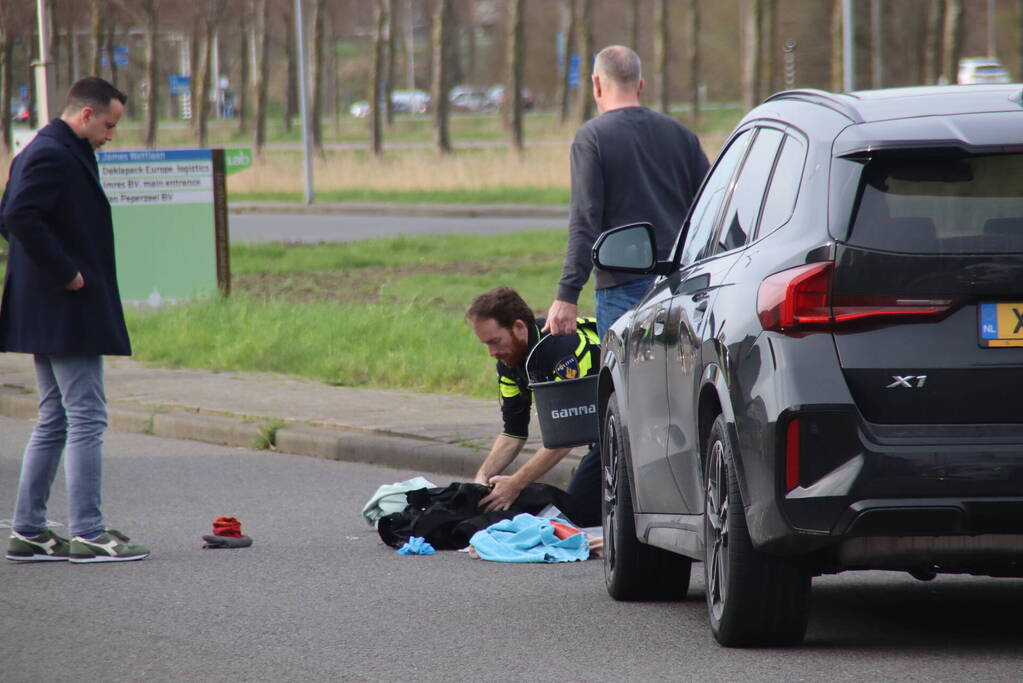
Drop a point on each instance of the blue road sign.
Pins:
(573, 71)
(178, 85)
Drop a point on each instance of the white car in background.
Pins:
(973, 70)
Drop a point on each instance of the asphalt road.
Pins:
(318, 597)
(259, 227)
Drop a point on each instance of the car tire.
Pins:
(752, 598)
(632, 570)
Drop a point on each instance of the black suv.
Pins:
(826, 375)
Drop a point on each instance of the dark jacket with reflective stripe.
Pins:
(562, 356)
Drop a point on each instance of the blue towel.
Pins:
(526, 538)
(416, 545)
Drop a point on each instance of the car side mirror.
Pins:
(628, 249)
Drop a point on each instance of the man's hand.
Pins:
(75, 284)
(561, 318)
(505, 490)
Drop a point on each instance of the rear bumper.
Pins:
(870, 497)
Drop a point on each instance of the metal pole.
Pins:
(307, 141)
(991, 42)
(410, 45)
(877, 43)
(43, 107)
(848, 55)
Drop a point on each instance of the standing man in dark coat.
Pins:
(629, 164)
(61, 304)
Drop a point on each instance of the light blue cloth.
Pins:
(416, 545)
(390, 498)
(526, 538)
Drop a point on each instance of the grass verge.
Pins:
(385, 313)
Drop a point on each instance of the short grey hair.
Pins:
(619, 64)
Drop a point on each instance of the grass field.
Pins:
(383, 313)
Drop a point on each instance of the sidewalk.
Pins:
(427, 433)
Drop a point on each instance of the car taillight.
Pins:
(801, 299)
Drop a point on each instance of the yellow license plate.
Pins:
(1001, 324)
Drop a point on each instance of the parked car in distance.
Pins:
(496, 97)
(973, 70)
(469, 99)
(823, 375)
(403, 101)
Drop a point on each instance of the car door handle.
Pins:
(662, 315)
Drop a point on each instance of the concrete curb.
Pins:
(559, 212)
(420, 455)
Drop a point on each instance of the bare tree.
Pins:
(261, 32)
(439, 89)
(753, 30)
(662, 57)
(6, 54)
(391, 72)
(836, 46)
(471, 72)
(584, 29)
(200, 109)
(245, 50)
(316, 78)
(632, 24)
(568, 30)
(951, 44)
(376, 86)
(144, 12)
(769, 47)
(291, 76)
(110, 41)
(694, 61)
(96, 29)
(932, 53)
(513, 84)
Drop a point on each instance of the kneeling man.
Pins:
(506, 324)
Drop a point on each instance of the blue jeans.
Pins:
(612, 302)
(72, 413)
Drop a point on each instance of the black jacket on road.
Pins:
(57, 220)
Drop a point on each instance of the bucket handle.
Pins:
(532, 351)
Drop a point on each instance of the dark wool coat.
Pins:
(56, 219)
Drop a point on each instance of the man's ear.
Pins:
(520, 329)
(639, 88)
(598, 88)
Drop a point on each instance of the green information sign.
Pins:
(170, 223)
(237, 159)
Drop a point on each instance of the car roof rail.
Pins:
(833, 101)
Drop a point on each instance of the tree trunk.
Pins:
(391, 72)
(568, 30)
(837, 81)
(194, 54)
(769, 44)
(202, 107)
(441, 25)
(316, 124)
(471, 72)
(111, 41)
(694, 61)
(152, 78)
(662, 57)
(952, 40)
(56, 45)
(6, 54)
(632, 24)
(513, 84)
(245, 44)
(584, 27)
(376, 86)
(932, 54)
(262, 69)
(753, 30)
(96, 27)
(291, 77)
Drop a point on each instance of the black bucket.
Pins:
(567, 409)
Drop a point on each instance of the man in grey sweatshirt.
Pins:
(628, 164)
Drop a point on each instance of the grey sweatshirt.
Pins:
(628, 165)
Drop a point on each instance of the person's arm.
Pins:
(26, 216)
(506, 488)
(502, 453)
(586, 215)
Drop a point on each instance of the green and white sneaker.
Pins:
(46, 547)
(109, 546)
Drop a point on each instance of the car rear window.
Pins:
(963, 205)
